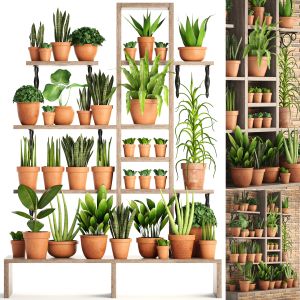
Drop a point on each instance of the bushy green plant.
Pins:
(272, 220)
(37, 38)
(291, 146)
(161, 45)
(61, 26)
(129, 172)
(129, 141)
(266, 90)
(263, 272)
(145, 172)
(160, 141)
(259, 223)
(283, 170)
(234, 246)
(232, 47)
(84, 101)
(252, 201)
(53, 153)
(230, 99)
(285, 202)
(130, 44)
(228, 5)
(144, 141)
(286, 8)
(48, 108)
(239, 220)
(87, 35)
(245, 270)
(160, 172)
(103, 151)
(287, 271)
(267, 115)
(203, 215)
(163, 242)
(257, 89)
(258, 3)
(28, 151)
(17, 236)
(28, 93)
(250, 12)
(242, 248)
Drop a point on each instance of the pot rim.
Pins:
(234, 61)
(52, 242)
(83, 45)
(61, 43)
(101, 106)
(102, 236)
(28, 103)
(113, 240)
(17, 241)
(45, 168)
(192, 48)
(24, 169)
(152, 101)
(48, 112)
(193, 166)
(63, 107)
(232, 112)
(83, 111)
(77, 169)
(146, 240)
(208, 242)
(239, 168)
(253, 57)
(187, 237)
(95, 168)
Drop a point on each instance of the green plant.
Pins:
(230, 99)
(250, 116)
(251, 247)
(60, 230)
(259, 223)
(103, 151)
(192, 34)
(160, 172)
(46, 46)
(84, 101)
(257, 89)
(61, 26)
(147, 28)
(287, 271)
(291, 147)
(286, 8)
(242, 248)
(77, 153)
(29, 199)
(145, 172)
(257, 248)
(232, 47)
(163, 242)
(144, 141)
(130, 44)
(234, 247)
(250, 12)
(203, 215)
(258, 3)
(161, 45)
(228, 5)
(283, 170)
(272, 198)
(259, 153)
(267, 115)
(272, 220)
(266, 90)
(273, 150)
(239, 220)
(252, 201)
(28, 151)
(160, 141)
(251, 222)
(53, 153)
(285, 202)
(245, 269)
(267, 14)
(245, 197)
(208, 232)
(129, 172)
(48, 108)
(263, 271)
(28, 93)
(87, 35)
(129, 141)
(287, 243)
(258, 115)
(37, 39)
(251, 89)
(17, 236)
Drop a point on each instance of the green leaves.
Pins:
(28, 93)
(48, 196)
(27, 197)
(286, 8)
(35, 226)
(87, 35)
(45, 213)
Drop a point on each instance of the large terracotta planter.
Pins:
(285, 178)
(131, 52)
(182, 246)
(207, 249)
(147, 247)
(86, 52)
(52, 176)
(28, 176)
(294, 170)
(64, 115)
(284, 117)
(129, 182)
(241, 177)
(144, 150)
(150, 112)
(61, 50)
(266, 97)
(263, 284)
(272, 231)
(77, 177)
(193, 175)
(244, 285)
(257, 122)
(259, 13)
(271, 174)
(103, 176)
(48, 117)
(162, 52)
(45, 54)
(254, 69)
(84, 117)
(28, 112)
(120, 248)
(145, 182)
(34, 53)
(160, 182)
(93, 246)
(231, 119)
(36, 244)
(101, 114)
(163, 252)
(129, 150)
(287, 22)
(232, 68)
(146, 44)
(160, 150)
(197, 232)
(63, 249)
(18, 248)
(192, 53)
(258, 176)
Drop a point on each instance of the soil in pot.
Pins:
(93, 246)
(129, 150)
(258, 176)
(145, 182)
(52, 176)
(61, 50)
(197, 232)
(267, 97)
(232, 68)
(284, 117)
(34, 53)
(147, 247)
(86, 52)
(84, 117)
(263, 285)
(129, 182)
(103, 176)
(182, 246)
(162, 52)
(244, 285)
(267, 122)
(77, 177)
(64, 115)
(294, 170)
(144, 150)
(235, 231)
(163, 252)
(254, 69)
(45, 54)
(63, 249)
(160, 182)
(131, 52)
(257, 97)
(101, 114)
(18, 248)
(48, 117)
(120, 248)
(287, 22)
(36, 244)
(28, 176)
(259, 13)
(160, 150)
(250, 122)
(271, 174)
(28, 112)
(150, 112)
(257, 122)
(146, 44)
(285, 178)
(193, 175)
(192, 53)
(207, 249)
(231, 119)
(271, 232)
(241, 177)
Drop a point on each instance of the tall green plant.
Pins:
(103, 151)
(259, 153)
(37, 37)
(232, 47)
(28, 151)
(245, 270)
(230, 99)
(286, 8)
(209, 232)
(258, 3)
(84, 101)
(61, 26)
(291, 147)
(273, 151)
(53, 153)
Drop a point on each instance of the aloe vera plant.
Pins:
(28, 151)
(291, 147)
(129, 141)
(53, 153)
(84, 101)
(61, 26)
(131, 44)
(103, 151)
(286, 8)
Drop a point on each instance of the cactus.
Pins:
(103, 151)
(28, 151)
(53, 153)
(61, 26)
(84, 101)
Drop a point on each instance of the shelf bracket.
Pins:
(207, 200)
(177, 80)
(36, 80)
(291, 37)
(90, 70)
(207, 81)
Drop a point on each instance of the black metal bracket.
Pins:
(36, 80)
(207, 200)
(31, 134)
(90, 70)
(177, 80)
(291, 37)
(207, 81)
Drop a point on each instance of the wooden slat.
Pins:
(177, 62)
(149, 5)
(262, 104)
(74, 191)
(61, 63)
(145, 159)
(265, 186)
(144, 127)
(262, 79)
(67, 127)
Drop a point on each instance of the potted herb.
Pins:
(251, 247)
(121, 219)
(145, 178)
(295, 283)
(160, 147)
(86, 41)
(258, 119)
(84, 103)
(129, 179)
(130, 49)
(45, 52)
(235, 227)
(272, 200)
(48, 115)
(208, 242)
(93, 221)
(263, 275)
(258, 253)
(251, 222)
(101, 89)
(53, 172)
(272, 224)
(234, 252)
(232, 285)
(192, 36)
(161, 50)
(284, 175)
(232, 54)
(160, 178)
(257, 94)
(286, 242)
(250, 17)
(259, 10)
(63, 244)
(268, 18)
(250, 121)
(129, 147)
(78, 154)
(17, 244)
(267, 120)
(285, 205)
(36, 40)
(28, 99)
(252, 204)
(236, 202)
(163, 248)
(252, 277)
(259, 227)
(250, 94)
(244, 201)
(144, 146)
(36, 241)
(278, 277)
(244, 271)
(231, 112)
(103, 172)
(258, 171)
(286, 9)
(288, 274)
(62, 45)
(267, 95)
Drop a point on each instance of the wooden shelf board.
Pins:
(262, 78)
(273, 238)
(144, 191)
(139, 126)
(245, 238)
(273, 262)
(58, 127)
(176, 63)
(273, 250)
(61, 63)
(73, 191)
(230, 263)
(231, 131)
(289, 30)
(262, 104)
(251, 27)
(255, 293)
(235, 78)
(195, 191)
(251, 130)
(246, 212)
(265, 186)
(145, 159)
(142, 6)
(229, 26)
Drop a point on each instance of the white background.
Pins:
(133, 281)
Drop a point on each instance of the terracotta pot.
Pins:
(290, 282)
(252, 286)
(144, 150)
(244, 285)
(242, 258)
(252, 207)
(34, 53)
(160, 150)
(163, 252)
(258, 257)
(101, 114)
(284, 284)
(61, 50)
(28, 176)
(236, 207)
(263, 284)
(250, 97)
(272, 285)
(129, 182)
(84, 117)
(93, 246)
(64, 115)
(147, 247)
(250, 122)
(63, 249)
(232, 68)
(268, 20)
(234, 258)
(131, 52)
(271, 174)
(259, 232)
(259, 13)
(146, 43)
(271, 232)
(272, 207)
(162, 52)
(267, 122)
(287, 22)
(231, 119)
(160, 182)
(284, 117)
(150, 112)
(235, 231)
(285, 178)
(258, 176)
(266, 97)
(120, 248)
(52, 176)
(129, 150)
(284, 256)
(45, 54)
(250, 20)
(254, 69)
(193, 175)
(48, 117)
(18, 248)
(207, 249)
(28, 112)
(197, 232)
(243, 233)
(277, 284)
(36, 244)
(192, 53)
(232, 287)
(294, 170)
(251, 257)
(182, 246)
(77, 177)
(86, 52)
(295, 283)
(285, 210)
(257, 97)
(257, 123)
(145, 182)
(103, 176)
(241, 177)
(252, 233)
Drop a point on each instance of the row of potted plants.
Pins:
(272, 246)
(245, 203)
(273, 257)
(258, 95)
(259, 120)
(267, 18)
(243, 252)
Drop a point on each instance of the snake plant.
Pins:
(230, 99)
(28, 151)
(37, 38)
(291, 147)
(61, 26)
(286, 8)
(103, 151)
(258, 3)
(232, 47)
(84, 101)
(53, 153)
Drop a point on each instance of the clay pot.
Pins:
(257, 97)
(64, 115)
(86, 52)
(284, 284)
(250, 97)
(252, 232)
(147, 247)
(241, 177)
(101, 114)
(131, 52)
(257, 123)
(287, 22)
(259, 232)
(150, 112)
(258, 257)
(231, 119)
(28, 112)
(63, 249)
(290, 282)
(294, 170)
(271, 232)
(162, 52)
(144, 150)
(252, 287)
(251, 257)
(232, 287)
(271, 285)
(250, 20)
(271, 174)
(120, 248)
(295, 283)
(252, 207)
(277, 284)
(93, 246)
(34, 53)
(36, 244)
(192, 53)
(267, 122)
(103, 176)
(243, 233)
(129, 182)
(234, 258)
(52, 176)
(268, 20)
(242, 258)
(197, 232)
(259, 13)
(48, 117)
(193, 175)
(146, 43)
(18, 248)
(84, 117)
(77, 177)
(145, 182)
(61, 50)
(266, 97)
(285, 210)
(28, 176)
(207, 249)
(182, 246)
(254, 69)
(236, 207)
(129, 150)
(285, 178)
(250, 122)
(160, 150)
(232, 68)
(263, 284)
(244, 285)
(45, 54)
(284, 117)
(163, 252)
(258, 176)
(235, 231)
(160, 182)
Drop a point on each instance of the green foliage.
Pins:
(285, 202)
(259, 153)
(245, 270)
(257, 89)
(103, 151)
(48, 108)
(230, 99)
(37, 38)
(258, 3)
(287, 243)
(286, 8)
(239, 220)
(209, 232)
(250, 116)
(291, 146)
(53, 153)
(202, 215)
(263, 271)
(232, 47)
(30, 201)
(84, 101)
(234, 247)
(273, 150)
(28, 151)
(144, 141)
(17, 236)
(266, 90)
(160, 141)
(131, 44)
(267, 14)
(129, 141)
(129, 172)
(28, 93)
(61, 26)
(46, 46)
(145, 172)
(228, 5)
(287, 271)
(259, 223)
(272, 198)
(252, 201)
(161, 45)
(272, 220)
(258, 115)
(267, 115)
(160, 172)
(283, 170)
(250, 12)
(242, 248)
(87, 35)
(163, 242)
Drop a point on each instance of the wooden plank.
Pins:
(261, 79)
(113, 280)
(144, 191)
(262, 104)
(144, 127)
(145, 159)
(8, 279)
(74, 191)
(149, 5)
(235, 78)
(61, 63)
(67, 127)
(262, 130)
(217, 283)
(177, 62)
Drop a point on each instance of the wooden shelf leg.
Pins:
(113, 280)
(8, 280)
(207, 81)
(218, 280)
(36, 80)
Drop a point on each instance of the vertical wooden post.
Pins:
(217, 285)
(8, 280)
(113, 280)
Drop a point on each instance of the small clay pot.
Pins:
(160, 150)
(192, 53)
(231, 119)
(129, 150)
(250, 122)
(244, 285)
(232, 68)
(285, 178)
(103, 176)
(277, 284)
(182, 246)
(207, 249)
(266, 97)
(287, 22)
(129, 182)
(131, 52)
(193, 175)
(252, 287)
(236, 207)
(232, 287)
(144, 150)
(290, 282)
(242, 258)
(86, 52)
(52, 176)
(84, 117)
(120, 248)
(28, 176)
(45, 54)
(294, 170)
(252, 233)
(284, 117)
(48, 117)
(271, 232)
(101, 114)
(259, 13)
(28, 112)
(61, 50)
(93, 246)
(235, 231)
(145, 182)
(250, 20)
(251, 257)
(254, 69)
(285, 210)
(252, 207)
(271, 174)
(257, 123)
(64, 249)
(233, 258)
(271, 285)
(258, 257)
(257, 177)
(36, 244)
(284, 284)
(257, 97)
(267, 122)
(77, 177)
(162, 52)
(259, 232)
(34, 53)
(250, 97)
(284, 256)
(146, 44)
(18, 248)
(147, 247)
(241, 177)
(163, 252)
(150, 112)
(160, 182)
(64, 115)
(268, 20)
(263, 284)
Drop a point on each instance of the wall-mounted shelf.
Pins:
(67, 127)
(145, 159)
(61, 63)
(265, 186)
